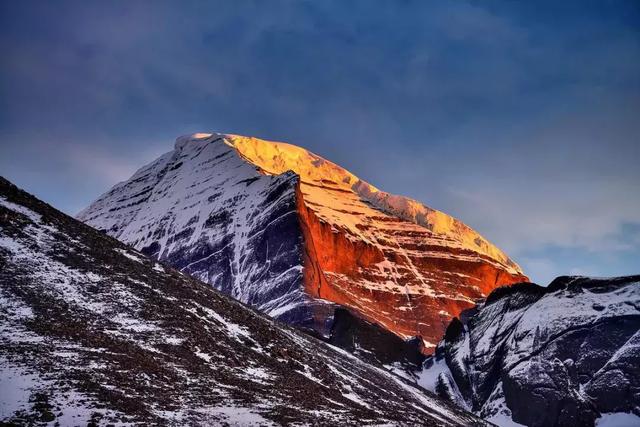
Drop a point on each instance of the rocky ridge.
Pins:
(563, 355)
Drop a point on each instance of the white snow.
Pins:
(618, 419)
(428, 378)
(239, 416)
(204, 356)
(34, 217)
(503, 420)
(173, 340)
(16, 386)
(258, 373)
(129, 255)
(496, 410)
(233, 329)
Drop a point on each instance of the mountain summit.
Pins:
(293, 234)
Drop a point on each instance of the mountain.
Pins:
(293, 234)
(94, 332)
(564, 355)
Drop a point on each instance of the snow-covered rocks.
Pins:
(92, 332)
(289, 232)
(555, 356)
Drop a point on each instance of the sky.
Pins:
(520, 118)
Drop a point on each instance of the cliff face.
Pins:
(564, 355)
(287, 231)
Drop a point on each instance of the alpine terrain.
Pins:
(94, 332)
(564, 355)
(292, 234)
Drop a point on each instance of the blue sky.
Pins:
(520, 118)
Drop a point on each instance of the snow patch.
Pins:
(618, 419)
(129, 255)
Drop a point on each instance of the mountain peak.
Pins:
(228, 210)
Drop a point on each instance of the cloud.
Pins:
(568, 181)
(519, 119)
(96, 161)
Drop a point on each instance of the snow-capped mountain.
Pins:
(94, 332)
(564, 355)
(289, 232)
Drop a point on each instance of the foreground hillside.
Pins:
(564, 355)
(289, 232)
(93, 331)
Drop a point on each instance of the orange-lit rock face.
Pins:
(397, 262)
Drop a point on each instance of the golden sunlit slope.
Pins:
(279, 157)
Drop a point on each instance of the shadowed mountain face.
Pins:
(564, 355)
(92, 330)
(290, 233)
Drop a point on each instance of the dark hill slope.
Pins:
(91, 330)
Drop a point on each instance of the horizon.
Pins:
(519, 120)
